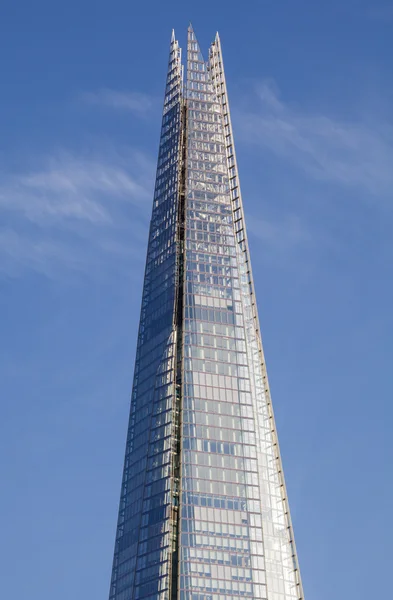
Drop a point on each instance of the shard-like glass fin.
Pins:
(281, 564)
(141, 564)
(222, 545)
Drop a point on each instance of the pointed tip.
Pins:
(217, 38)
(190, 27)
(173, 36)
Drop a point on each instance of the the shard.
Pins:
(203, 510)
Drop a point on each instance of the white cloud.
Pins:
(135, 102)
(75, 213)
(348, 153)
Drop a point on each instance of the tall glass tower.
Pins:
(203, 509)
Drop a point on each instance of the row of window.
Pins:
(215, 354)
(226, 269)
(223, 402)
(243, 589)
(197, 76)
(206, 207)
(225, 240)
(215, 420)
(212, 542)
(198, 472)
(219, 487)
(205, 134)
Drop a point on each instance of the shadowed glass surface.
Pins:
(141, 560)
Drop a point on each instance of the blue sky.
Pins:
(311, 92)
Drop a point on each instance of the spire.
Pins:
(174, 75)
(193, 48)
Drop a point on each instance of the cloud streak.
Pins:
(326, 149)
(282, 235)
(75, 213)
(135, 102)
(69, 187)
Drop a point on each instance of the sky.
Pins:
(311, 90)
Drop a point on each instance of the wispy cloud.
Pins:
(69, 187)
(135, 102)
(348, 153)
(75, 213)
(282, 235)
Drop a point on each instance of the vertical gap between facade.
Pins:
(177, 420)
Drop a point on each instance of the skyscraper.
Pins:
(203, 510)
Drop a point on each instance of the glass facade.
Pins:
(203, 510)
